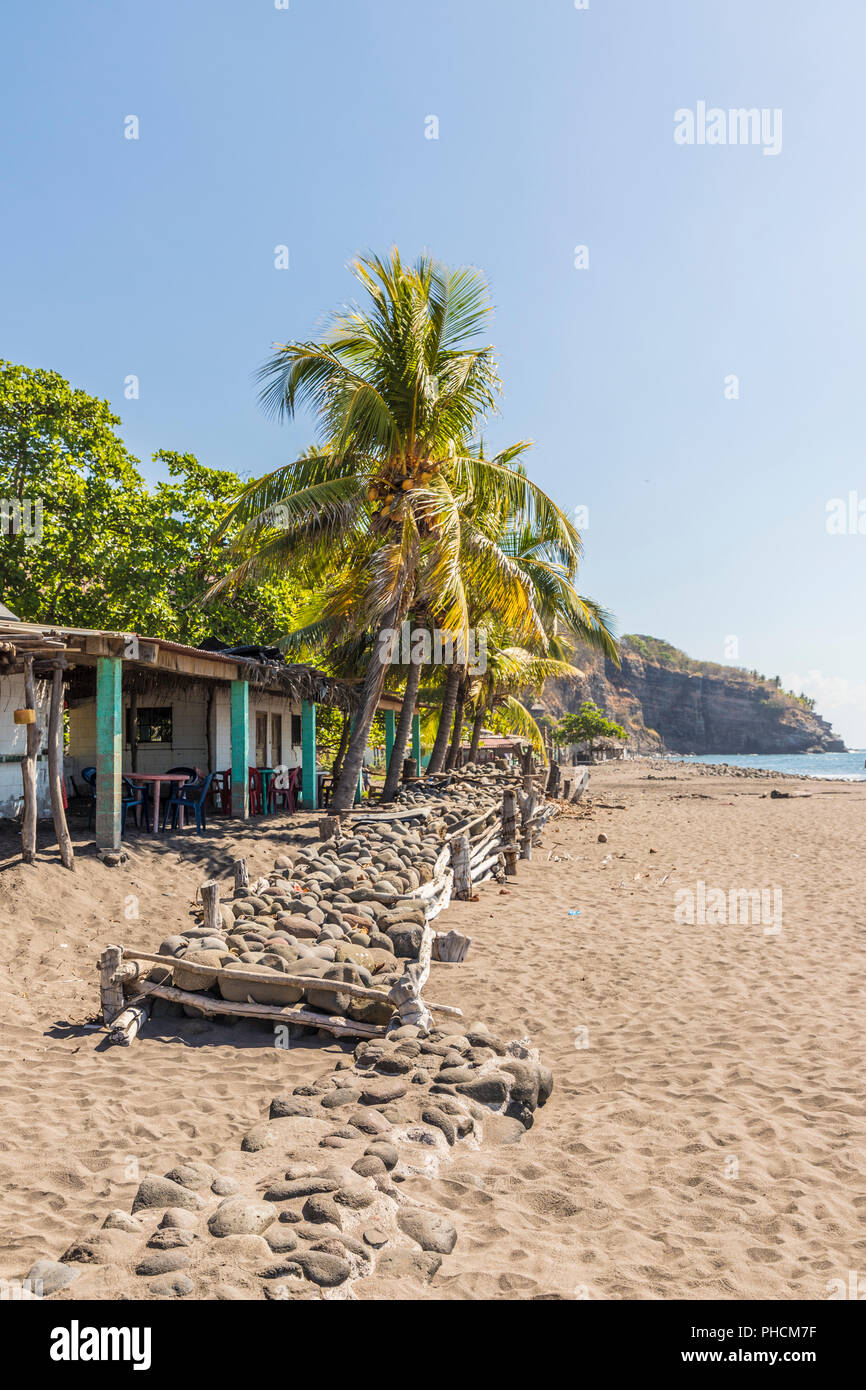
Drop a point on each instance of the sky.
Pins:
(692, 378)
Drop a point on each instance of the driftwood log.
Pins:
(509, 832)
(405, 995)
(242, 874)
(256, 977)
(450, 947)
(461, 867)
(207, 1004)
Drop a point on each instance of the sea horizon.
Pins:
(839, 767)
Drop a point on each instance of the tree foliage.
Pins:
(115, 553)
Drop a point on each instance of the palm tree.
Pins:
(511, 670)
(399, 389)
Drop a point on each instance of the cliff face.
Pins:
(666, 701)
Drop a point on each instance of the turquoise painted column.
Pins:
(309, 765)
(240, 729)
(390, 731)
(416, 740)
(109, 750)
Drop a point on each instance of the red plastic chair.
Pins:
(289, 793)
(256, 795)
(221, 792)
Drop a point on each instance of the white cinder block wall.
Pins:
(13, 743)
(188, 747)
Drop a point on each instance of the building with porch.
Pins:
(143, 704)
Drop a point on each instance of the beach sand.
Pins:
(707, 1132)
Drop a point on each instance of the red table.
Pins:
(155, 778)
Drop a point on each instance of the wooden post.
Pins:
(242, 874)
(55, 769)
(416, 742)
(460, 865)
(390, 734)
(109, 750)
(240, 735)
(527, 811)
(509, 832)
(210, 901)
(28, 769)
(110, 983)
(405, 995)
(309, 765)
(329, 827)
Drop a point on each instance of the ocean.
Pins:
(845, 767)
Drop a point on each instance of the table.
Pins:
(156, 778)
(266, 774)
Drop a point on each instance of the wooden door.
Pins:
(261, 740)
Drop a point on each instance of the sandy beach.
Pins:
(705, 1138)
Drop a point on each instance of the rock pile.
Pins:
(348, 910)
(319, 1195)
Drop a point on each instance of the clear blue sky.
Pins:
(306, 127)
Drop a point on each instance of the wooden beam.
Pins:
(254, 977)
(109, 751)
(55, 769)
(207, 1004)
(28, 769)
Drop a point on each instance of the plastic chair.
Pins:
(88, 775)
(131, 796)
(221, 792)
(289, 793)
(255, 784)
(192, 796)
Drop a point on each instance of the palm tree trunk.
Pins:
(443, 732)
(346, 785)
(402, 732)
(462, 691)
(341, 750)
(477, 726)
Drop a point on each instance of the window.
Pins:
(276, 739)
(153, 724)
(296, 730)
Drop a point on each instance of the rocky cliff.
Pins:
(668, 702)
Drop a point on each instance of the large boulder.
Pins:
(154, 1191)
(238, 1216)
(193, 979)
(240, 990)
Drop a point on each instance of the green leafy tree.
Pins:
(587, 725)
(114, 553)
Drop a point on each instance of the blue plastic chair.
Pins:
(192, 796)
(130, 796)
(88, 775)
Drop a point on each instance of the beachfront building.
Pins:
(146, 705)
